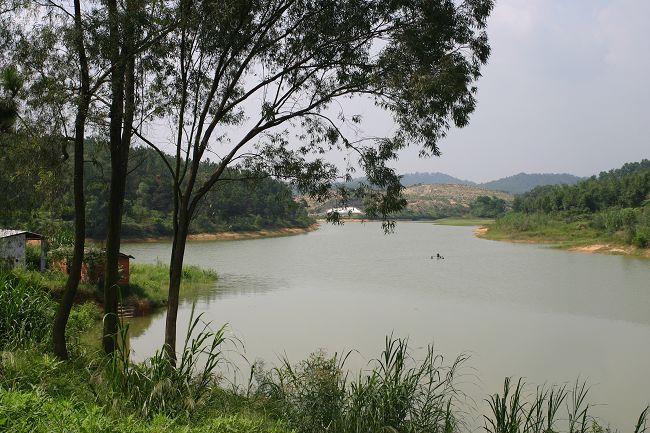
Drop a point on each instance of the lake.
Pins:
(518, 310)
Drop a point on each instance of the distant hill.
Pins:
(444, 200)
(410, 179)
(516, 184)
(523, 182)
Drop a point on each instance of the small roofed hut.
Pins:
(92, 268)
(13, 248)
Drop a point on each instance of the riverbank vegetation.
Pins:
(146, 291)
(396, 391)
(612, 208)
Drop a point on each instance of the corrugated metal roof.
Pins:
(6, 233)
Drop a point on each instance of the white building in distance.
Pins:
(350, 210)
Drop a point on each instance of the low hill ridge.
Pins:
(515, 184)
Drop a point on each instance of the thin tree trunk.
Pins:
(111, 271)
(175, 277)
(115, 201)
(74, 273)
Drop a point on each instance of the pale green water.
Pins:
(519, 310)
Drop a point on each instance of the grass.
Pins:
(151, 281)
(564, 232)
(398, 394)
(147, 289)
(553, 409)
(26, 311)
(464, 221)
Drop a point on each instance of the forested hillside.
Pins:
(35, 189)
(611, 207)
(625, 187)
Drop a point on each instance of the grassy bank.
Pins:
(147, 289)
(151, 281)
(469, 222)
(92, 392)
(604, 232)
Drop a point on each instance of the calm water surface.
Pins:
(519, 310)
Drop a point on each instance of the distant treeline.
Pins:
(36, 194)
(613, 206)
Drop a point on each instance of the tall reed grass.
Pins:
(397, 394)
(549, 410)
(157, 386)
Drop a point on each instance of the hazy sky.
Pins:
(567, 89)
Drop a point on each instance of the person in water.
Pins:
(438, 256)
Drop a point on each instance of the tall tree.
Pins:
(83, 105)
(134, 28)
(55, 54)
(246, 75)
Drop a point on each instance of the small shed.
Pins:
(13, 247)
(92, 271)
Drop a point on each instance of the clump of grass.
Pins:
(398, 394)
(157, 385)
(511, 412)
(151, 281)
(26, 311)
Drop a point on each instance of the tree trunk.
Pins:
(111, 271)
(74, 272)
(122, 114)
(175, 277)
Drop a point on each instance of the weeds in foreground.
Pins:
(157, 386)
(398, 394)
(512, 413)
(26, 312)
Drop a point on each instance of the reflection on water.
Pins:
(520, 310)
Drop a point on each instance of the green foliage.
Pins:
(151, 281)
(399, 393)
(36, 412)
(613, 207)
(10, 84)
(512, 412)
(39, 196)
(157, 386)
(488, 207)
(26, 311)
(626, 187)
(33, 257)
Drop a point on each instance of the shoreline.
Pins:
(574, 247)
(231, 236)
